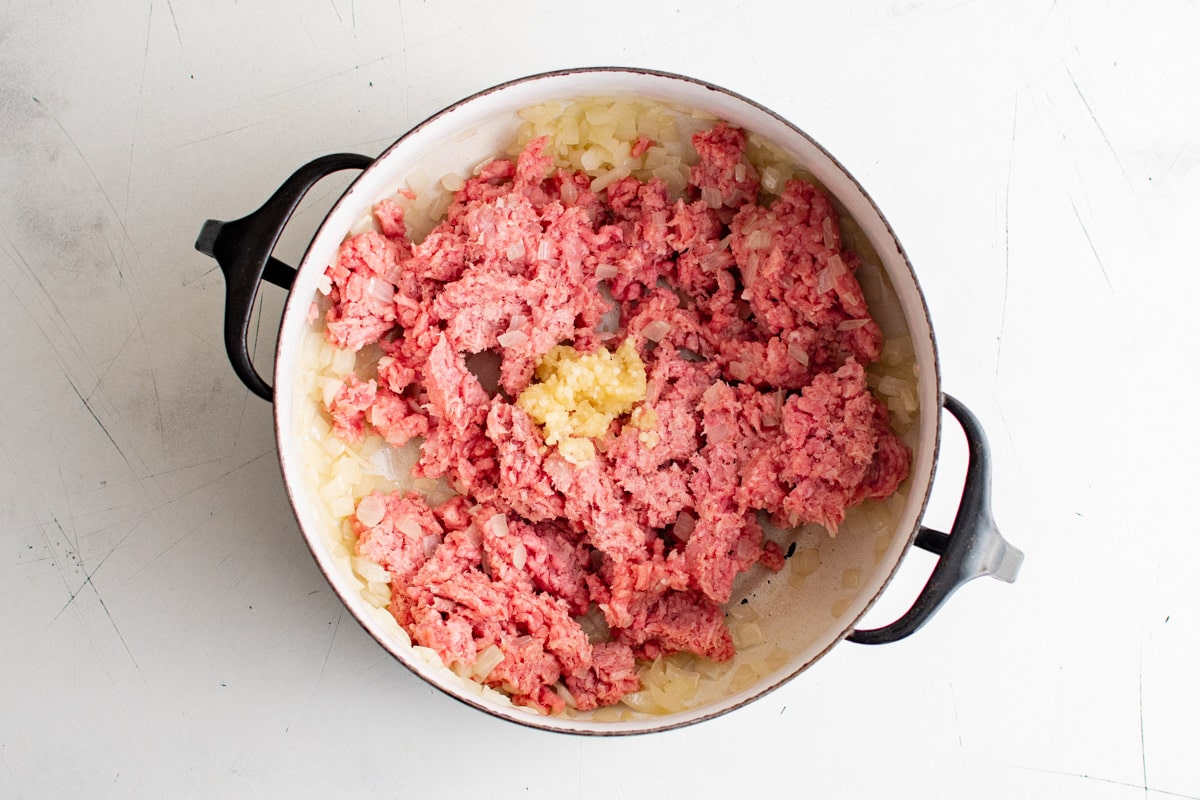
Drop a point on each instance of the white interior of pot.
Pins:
(800, 618)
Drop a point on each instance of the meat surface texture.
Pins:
(754, 333)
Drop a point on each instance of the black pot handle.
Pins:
(973, 548)
(242, 248)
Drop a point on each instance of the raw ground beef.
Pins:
(756, 396)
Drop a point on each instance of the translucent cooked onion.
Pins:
(891, 387)
(371, 510)
(392, 273)
(512, 338)
(487, 660)
(369, 571)
(656, 330)
(825, 280)
(410, 527)
(759, 239)
(430, 544)
(720, 259)
(746, 548)
(685, 523)
(827, 236)
(771, 179)
(798, 353)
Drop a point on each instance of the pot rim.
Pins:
(295, 305)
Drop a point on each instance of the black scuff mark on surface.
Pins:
(1095, 253)
(332, 638)
(63, 333)
(1111, 781)
(137, 113)
(178, 35)
(1103, 135)
(107, 433)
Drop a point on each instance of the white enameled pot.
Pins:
(801, 619)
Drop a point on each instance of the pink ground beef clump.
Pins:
(754, 333)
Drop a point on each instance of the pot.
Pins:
(800, 618)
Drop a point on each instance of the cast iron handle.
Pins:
(243, 248)
(973, 548)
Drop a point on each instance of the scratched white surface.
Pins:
(163, 629)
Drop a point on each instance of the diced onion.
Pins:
(392, 273)
(329, 388)
(806, 561)
(827, 233)
(711, 196)
(738, 370)
(430, 544)
(685, 523)
(342, 506)
(851, 578)
(758, 239)
(410, 527)
(746, 548)
(852, 324)
(516, 250)
(656, 330)
(825, 280)
(487, 660)
(747, 634)
(371, 510)
(606, 271)
(743, 678)
(796, 351)
(719, 259)
(519, 556)
(891, 387)
(602, 182)
(512, 338)
(343, 362)
(499, 525)
(771, 178)
(369, 571)
(545, 249)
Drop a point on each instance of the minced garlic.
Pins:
(577, 396)
(645, 419)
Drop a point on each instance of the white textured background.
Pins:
(163, 629)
